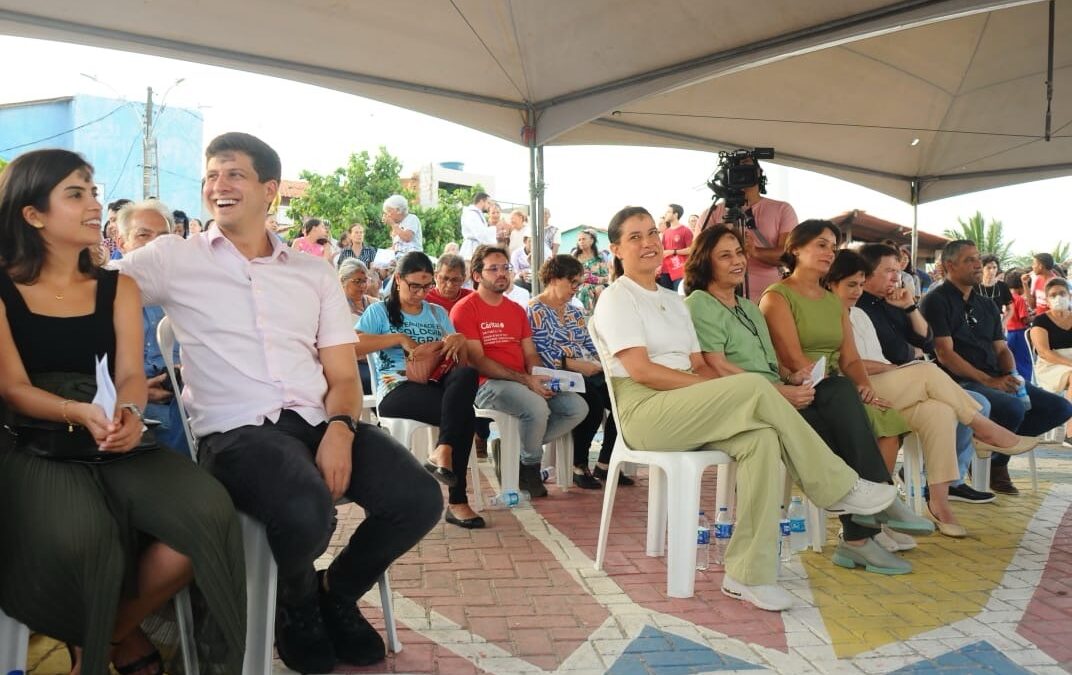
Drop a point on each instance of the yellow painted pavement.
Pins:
(951, 580)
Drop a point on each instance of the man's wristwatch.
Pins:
(911, 308)
(350, 422)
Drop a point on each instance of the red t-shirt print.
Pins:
(500, 328)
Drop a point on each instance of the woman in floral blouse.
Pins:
(560, 332)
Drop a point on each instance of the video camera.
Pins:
(737, 170)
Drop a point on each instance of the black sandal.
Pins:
(153, 658)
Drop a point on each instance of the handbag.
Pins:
(58, 440)
(432, 364)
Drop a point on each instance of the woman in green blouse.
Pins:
(734, 339)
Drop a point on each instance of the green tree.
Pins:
(1062, 251)
(3, 163)
(989, 237)
(354, 194)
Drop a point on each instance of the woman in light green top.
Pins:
(734, 339)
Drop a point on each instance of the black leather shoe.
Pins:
(355, 640)
(474, 523)
(586, 480)
(302, 639)
(601, 473)
(443, 475)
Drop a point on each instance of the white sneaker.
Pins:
(893, 541)
(770, 597)
(865, 498)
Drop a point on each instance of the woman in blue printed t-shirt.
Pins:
(405, 324)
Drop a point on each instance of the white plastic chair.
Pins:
(510, 450)
(262, 572)
(14, 644)
(912, 461)
(669, 473)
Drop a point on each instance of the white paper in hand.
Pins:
(818, 371)
(106, 397)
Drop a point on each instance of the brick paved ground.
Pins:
(522, 597)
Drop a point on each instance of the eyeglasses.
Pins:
(451, 280)
(496, 269)
(359, 281)
(969, 316)
(419, 288)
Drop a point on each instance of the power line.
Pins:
(123, 169)
(64, 133)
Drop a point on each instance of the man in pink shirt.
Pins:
(771, 221)
(274, 397)
(677, 238)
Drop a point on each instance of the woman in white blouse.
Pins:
(929, 400)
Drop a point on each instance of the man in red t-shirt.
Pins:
(677, 238)
(449, 277)
(502, 351)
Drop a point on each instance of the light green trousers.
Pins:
(745, 417)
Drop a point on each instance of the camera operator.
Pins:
(768, 223)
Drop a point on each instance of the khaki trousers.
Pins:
(745, 417)
(932, 404)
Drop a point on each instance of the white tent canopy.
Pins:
(842, 87)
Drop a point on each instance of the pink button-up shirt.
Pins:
(249, 329)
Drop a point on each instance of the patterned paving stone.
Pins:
(576, 514)
(975, 659)
(1047, 621)
(656, 652)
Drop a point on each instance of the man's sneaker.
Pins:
(355, 640)
(530, 480)
(899, 517)
(770, 597)
(966, 493)
(865, 498)
(301, 638)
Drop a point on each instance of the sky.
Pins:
(316, 129)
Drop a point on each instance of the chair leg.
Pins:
(261, 579)
(609, 491)
(1034, 471)
(388, 607)
(657, 507)
(981, 474)
(564, 461)
(913, 473)
(509, 453)
(185, 616)
(816, 527)
(681, 544)
(14, 645)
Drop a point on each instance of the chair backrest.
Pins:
(165, 336)
(604, 360)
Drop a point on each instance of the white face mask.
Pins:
(1060, 303)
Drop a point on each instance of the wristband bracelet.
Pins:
(911, 308)
(63, 410)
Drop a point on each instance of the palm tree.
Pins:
(1062, 251)
(989, 238)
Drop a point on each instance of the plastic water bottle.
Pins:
(509, 500)
(703, 543)
(723, 532)
(547, 474)
(798, 527)
(785, 547)
(1021, 392)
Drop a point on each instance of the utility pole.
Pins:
(147, 162)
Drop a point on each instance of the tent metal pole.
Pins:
(915, 224)
(538, 224)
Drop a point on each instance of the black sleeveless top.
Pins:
(50, 344)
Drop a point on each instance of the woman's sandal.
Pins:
(153, 658)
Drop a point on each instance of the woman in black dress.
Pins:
(90, 548)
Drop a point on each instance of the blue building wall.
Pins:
(108, 133)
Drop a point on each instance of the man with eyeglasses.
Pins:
(449, 277)
(970, 345)
(502, 351)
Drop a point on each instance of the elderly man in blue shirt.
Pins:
(140, 223)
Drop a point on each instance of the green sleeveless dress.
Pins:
(819, 331)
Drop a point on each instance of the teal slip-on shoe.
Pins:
(871, 557)
(899, 517)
